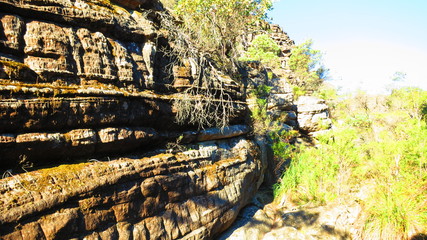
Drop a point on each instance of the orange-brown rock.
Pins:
(89, 145)
(12, 27)
(195, 193)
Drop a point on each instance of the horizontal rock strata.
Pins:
(313, 114)
(41, 148)
(86, 107)
(191, 195)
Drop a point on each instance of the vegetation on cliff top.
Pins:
(214, 26)
(205, 40)
(263, 49)
(306, 64)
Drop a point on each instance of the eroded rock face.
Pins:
(313, 114)
(86, 98)
(12, 27)
(78, 42)
(285, 43)
(280, 103)
(191, 194)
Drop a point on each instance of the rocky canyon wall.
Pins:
(89, 146)
(89, 143)
(192, 194)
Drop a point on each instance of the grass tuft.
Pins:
(377, 158)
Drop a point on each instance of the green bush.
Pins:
(306, 64)
(265, 50)
(260, 120)
(214, 26)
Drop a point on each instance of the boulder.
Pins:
(313, 114)
(282, 101)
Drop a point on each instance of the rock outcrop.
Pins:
(285, 43)
(76, 69)
(86, 116)
(271, 222)
(89, 144)
(192, 194)
(313, 114)
(280, 103)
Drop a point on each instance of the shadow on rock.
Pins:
(419, 236)
(300, 219)
(267, 221)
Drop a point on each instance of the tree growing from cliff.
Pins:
(263, 49)
(306, 64)
(214, 26)
(205, 37)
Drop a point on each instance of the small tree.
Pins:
(306, 64)
(214, 26)
(263, 49)
(207, 35)
(396, 79)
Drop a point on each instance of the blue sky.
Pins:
(364, 42)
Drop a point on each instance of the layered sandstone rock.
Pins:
(86, 108)
(192, 194)
(280, 100)
(313, 114)
(72, 65)
(285, 43)
(280, 103)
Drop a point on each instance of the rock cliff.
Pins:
(191, 194)
(85, 77)
(89, 144)
(87, 117)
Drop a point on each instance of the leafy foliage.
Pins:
(283, 149)
(306, 64)
(204, 37)
(215, 25)
(409, 99)
(398, 77)
(263, 49)
(260, 119)
(279, 137)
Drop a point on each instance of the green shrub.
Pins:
(265, 50)
(306, 64)
(214, 26)
(260, 120)
(298, 92)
